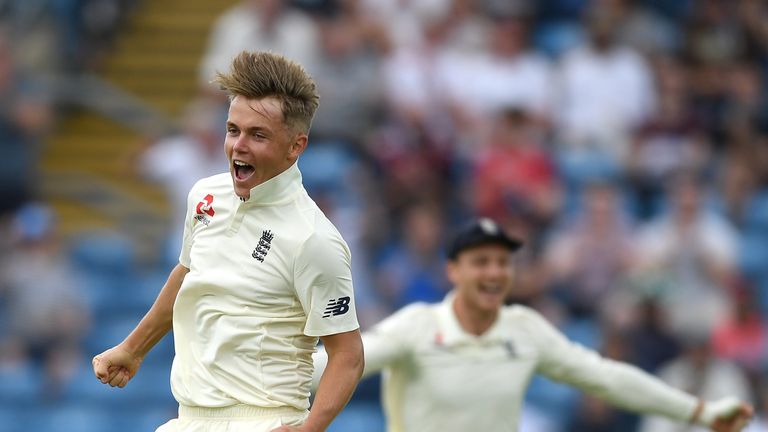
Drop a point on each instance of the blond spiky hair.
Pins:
(257, 75)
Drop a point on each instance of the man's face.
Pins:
(482, 276)
(259, 145)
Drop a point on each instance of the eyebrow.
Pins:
(249, 129)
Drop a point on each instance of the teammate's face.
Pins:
(482, 276)
(259, 145)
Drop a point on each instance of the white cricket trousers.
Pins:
(236, 418)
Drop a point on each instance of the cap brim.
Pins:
(510, 243)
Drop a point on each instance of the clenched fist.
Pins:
(116, 366)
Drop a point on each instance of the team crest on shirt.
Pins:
(509, 346)
(265, 244)
(204, 210)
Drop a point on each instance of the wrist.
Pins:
(313, 424)
(696, 415)
(132, 349)
(710, 411)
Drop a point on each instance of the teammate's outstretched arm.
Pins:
(626, 386)
(339, 379)
(116, 366)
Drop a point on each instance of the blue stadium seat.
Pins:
(70, 418)
(162, 354)
(109, 331)
(753, 254)
(556, 38)
(83, 387)
(150, 387)
(756, 213)
(325, 170)
(584, 331)
(557, 401)
(139, 418)
(357, 417)
(103, 252)
(12, 419)
(105, 262)
(20, 383)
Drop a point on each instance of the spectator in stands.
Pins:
(699, 372)
(47, 313)
(744, 170)
(606, 90)
(643, 26)
(713, 44)
(743, 336)
(649, 338)
(411, 268)
(347, 72)
(265, 25)
(689, 252)
(669, 141)
(513, 172)
(178, 161)
(589, 258)
(25, 115)
(508, 72)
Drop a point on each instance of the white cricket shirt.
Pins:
(437, 377)
(267, 277)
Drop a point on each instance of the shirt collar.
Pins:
(452, 333)
(279, 188)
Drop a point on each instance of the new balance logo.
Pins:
(337, 307)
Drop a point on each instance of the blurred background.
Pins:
(626, 141)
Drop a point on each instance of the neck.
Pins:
(473, 320)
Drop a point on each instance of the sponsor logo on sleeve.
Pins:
(336, 307)
(204, 210)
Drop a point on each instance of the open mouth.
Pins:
(242, 170)
(494, 289)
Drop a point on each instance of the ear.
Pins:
(451, 272)
(298, 145)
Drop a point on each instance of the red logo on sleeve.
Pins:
(205, 206)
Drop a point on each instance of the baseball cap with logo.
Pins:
(480, 232)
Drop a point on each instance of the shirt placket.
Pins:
(237, 218)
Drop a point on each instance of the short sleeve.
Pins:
(323, 283)
(186, 240)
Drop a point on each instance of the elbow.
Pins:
(358, 361)
(360, 366)
(358, 355)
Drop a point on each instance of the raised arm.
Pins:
(630, 388)
(116, 366)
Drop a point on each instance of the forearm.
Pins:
(337, 384)
(626, 386)
(633, 389)
(620, 384)
(158, 321)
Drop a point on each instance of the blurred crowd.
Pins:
(625, 141)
